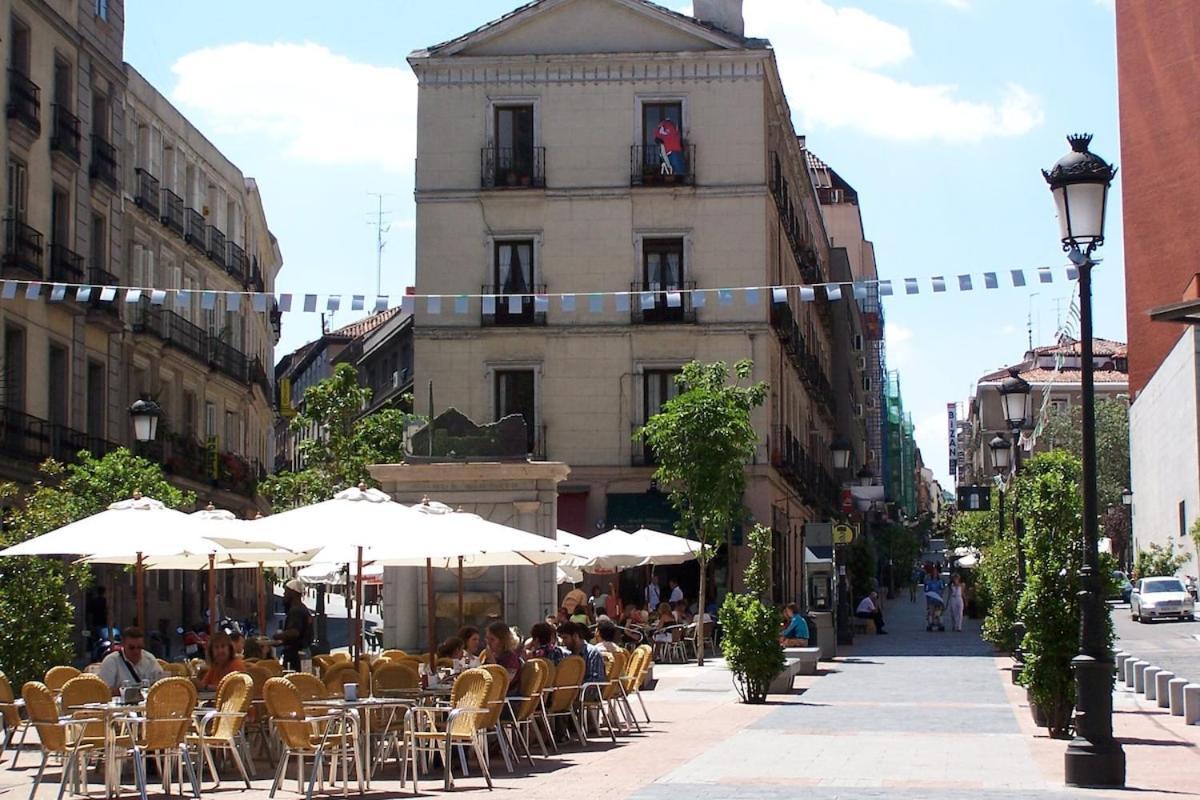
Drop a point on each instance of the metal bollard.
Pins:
(1175, 692)
(1149, 681)
(1139, 676)
(1191, 704)
(1162, 688)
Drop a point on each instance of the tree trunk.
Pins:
(700, 613)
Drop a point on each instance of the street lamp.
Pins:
(1014, 399)
(1001, 453)
(145, 414)
(1126, 548)
(865, 476)
(839, 448)
(1079, 183)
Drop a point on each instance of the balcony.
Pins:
(104, 163)
(172, 211)
(513, 309)
(236, 263)
(111, 309)
(258, 376)
(782, 320)
(185, 457)
(22, 250)
(28, 438)
(803, 473)
(197, 230)
(171, 329)
(216, 246)
(512, 168)
(24, 101)
(66, 266)
(148, 193)
(648, 169)
(228, 360)
(64, 135)
(256, 280)
(672, 305)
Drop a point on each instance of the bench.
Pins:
(797, 661)
(863, 626)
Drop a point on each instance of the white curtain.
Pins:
(505, 266)
(525, 266)
(654, 274)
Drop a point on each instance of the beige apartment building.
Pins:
(539, 174)
(108, 185)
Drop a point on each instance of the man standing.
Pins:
(869, 609)
(574, 599)
(131, 664)
(676, 595)
(297, 625)
(653, 595)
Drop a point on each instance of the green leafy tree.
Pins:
(1064, 430)
(996, 584)
(1158, 560)
(343, 443)
(35, 591)
(860, 568)
(702, 440)
(750, 642)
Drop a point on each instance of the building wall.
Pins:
(1157, 47)
(1164, 427)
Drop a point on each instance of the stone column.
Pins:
(529, 596)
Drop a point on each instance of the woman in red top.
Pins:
(502, 650)
(221, 661)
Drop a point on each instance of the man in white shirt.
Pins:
(676, 595)
(653, 594)
(132, 664)
(869, 609)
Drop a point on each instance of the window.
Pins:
(515, 394)
(14, 368)
(659, 386)
(233, 428)
(210, 420)
(18, 190)
(62, 83)
(98, 243)
(663, 150)
(95, 398)
(662, 273)
(513, 273)
(102, 13)
(20, 47)
(60, 216)
(188, 422)
(1183, 518)
(58, 387)
(100, 113)
(514, 153)
(1058, 405)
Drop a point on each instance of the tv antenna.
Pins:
(1029, 320)
(380, 229)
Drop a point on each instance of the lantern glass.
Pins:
(145, 414)
(1016, 408)
(840, 450)
(1001, 453)
(1081, 211)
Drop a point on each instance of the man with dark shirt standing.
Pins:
(297, 625)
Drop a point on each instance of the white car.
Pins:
(1155, 598)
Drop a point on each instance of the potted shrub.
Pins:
(750, 627)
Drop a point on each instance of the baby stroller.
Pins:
(934, 606)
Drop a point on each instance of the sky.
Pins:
(940, 113)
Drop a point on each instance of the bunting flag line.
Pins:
(515, 303)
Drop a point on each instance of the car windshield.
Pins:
(1162, 585)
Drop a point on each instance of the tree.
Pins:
(1064, 431)
(750, 642)
(1158, 560)
(342, 443)
(35, 599)
(702, 440)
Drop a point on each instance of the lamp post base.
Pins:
(1094, 758)
(1095, 765)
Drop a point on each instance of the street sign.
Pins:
(844, 534)
(974, 498)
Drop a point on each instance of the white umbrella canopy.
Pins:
(477, 541)
(666, 548)
(565, 573)
(617, 550)
(137, 525)
(332, 573)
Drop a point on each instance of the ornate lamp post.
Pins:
(1016, 400)
(1079, 183)
(840, 450)
(145, 415)
(1127, 548)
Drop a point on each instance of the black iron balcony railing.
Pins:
(228, 360)
(29, 438)
(97, 278)
(104, 162)
(64, 135)
(172, 212)
(22, 249)
(171, 329)
(649, 168)
(236, 263)
(197, 230)
(185, 457)
(216, 246)
(512, 167)
(782, 320)
(258, 375)
(148, 192)
(512, 308)
(66, 266)
(24, 101)
(652, 304)
(806, 475)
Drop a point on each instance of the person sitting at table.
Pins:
(222, 659)
(574, 599)
(606, 636)
(543, 643)
(682, 615)
(869, 609)
(575, 640)
(472, 644)
(452, 648)
(239, 643)
(665, 615)
(634, 615)
(132, 663)
(795, 632)
(581, 615)
(502, 650)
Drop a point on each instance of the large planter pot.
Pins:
(1039, 716)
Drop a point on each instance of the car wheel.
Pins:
(1142, 619)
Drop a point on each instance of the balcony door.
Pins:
(95, 399)
(60, 217)
(514, 145)
(516, 394)
(19, 47)
(59, 380)
(662, 272)
(14, 368)
(18, 190)
(513, 274)
(659, 386)
(662, 137)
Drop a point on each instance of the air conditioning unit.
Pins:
(858, 409)
(862, 362)
(858, 341)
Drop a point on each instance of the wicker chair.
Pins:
(323, 663)
(394, 677)
(390, 679)
(490, 722)
(523, 710)
(338, 676)
(308, 737)
(163, 731)
(79, 691)
(635, 675)
(461, 727)
(393, 653)
(258, 720)
(271, 667)
(58, 736)
(57, 676)
(560, 699)
(310, 686)
(598, 696)
(175, 669)
(10, 714)
(221, 728)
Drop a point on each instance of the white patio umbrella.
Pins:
(616, 550)
(667, 548)
(138, 528)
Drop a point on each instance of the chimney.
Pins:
(724, 14)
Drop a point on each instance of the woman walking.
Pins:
(956, 600)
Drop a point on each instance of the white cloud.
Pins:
(932, 437)
(317, 105)
(838, 68)
(899, 344)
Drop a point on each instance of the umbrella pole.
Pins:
(260, 590)
(140, 590)
(112, 601)
(461, 616)
(358, 615)
(432, 621)
(212, 595)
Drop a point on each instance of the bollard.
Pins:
(1175, 692)
(1129, 672)
(1150, 682)
(1139, 676)
(1119, 659)
(1162, 688)
(1191, 704)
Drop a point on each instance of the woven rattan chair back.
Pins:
(260, 677)
(393, 653)
(534, 675)
(285, 707)
(43, 715)
(235, 692)
(338, 676)
(271, 667)
(495, 699)
(567, 680)
(8, 704)
(57, 676)
(81, 690)
(395, 677)
(614, 669)
(471, 690)
(309, 686)
(169, 707)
